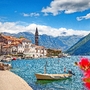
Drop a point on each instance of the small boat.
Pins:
(14, 58)
(40, 76)
(46, 76)
(5, 66)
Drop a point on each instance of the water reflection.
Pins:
(52, 81)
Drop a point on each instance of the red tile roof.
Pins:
(14, 41)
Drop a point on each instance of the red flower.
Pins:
(87, 73)
(86, 80)
(87, 85)
(84, 64)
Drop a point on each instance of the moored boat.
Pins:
(13, 58)
(47, 76)
(40, 76)
(5, 66)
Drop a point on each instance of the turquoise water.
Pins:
(27, 69)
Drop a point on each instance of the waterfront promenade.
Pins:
(10, 81)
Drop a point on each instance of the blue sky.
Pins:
(52, 17)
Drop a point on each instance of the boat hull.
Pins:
(52, 76)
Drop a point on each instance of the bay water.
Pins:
(26, 69)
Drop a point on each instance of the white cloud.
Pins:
(11, 27)
(25, 15)
(31, 14)
(83, 17)
(16, 27)
(67, 6)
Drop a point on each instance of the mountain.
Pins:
(82, 47)
(60, 42)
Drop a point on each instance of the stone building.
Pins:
(15, 46)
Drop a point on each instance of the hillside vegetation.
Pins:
(82, 47)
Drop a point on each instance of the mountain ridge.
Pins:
(82, 47)
(59, 42)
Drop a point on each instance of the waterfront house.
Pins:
(37, 51)
(16, 46)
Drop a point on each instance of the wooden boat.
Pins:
(5, 66)
(40, 76)
(46, 76)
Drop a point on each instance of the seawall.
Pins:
(11, 81)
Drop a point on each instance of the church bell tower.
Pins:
(36, 37)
